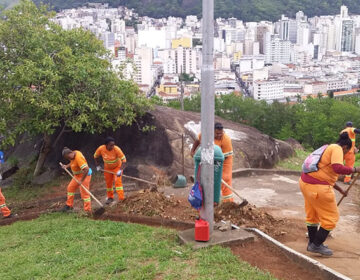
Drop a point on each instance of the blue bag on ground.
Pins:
(196, 196)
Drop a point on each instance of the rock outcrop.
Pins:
(158, 150)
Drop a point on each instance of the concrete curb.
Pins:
(303, 260)
(247, 172)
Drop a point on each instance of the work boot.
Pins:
(319, 249)
(321, 236)
(109, 200)
(312, 231)
(66, 208)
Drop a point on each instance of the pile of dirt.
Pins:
(250, 216)
(156, 204)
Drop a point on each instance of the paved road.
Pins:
(281, 196)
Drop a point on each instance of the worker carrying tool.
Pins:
(318, 179)
(224, 142)
(4, 209)
(82, 174)
(114, 164)
(349, 158)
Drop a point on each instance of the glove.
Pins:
(98, 168)
(119, 173)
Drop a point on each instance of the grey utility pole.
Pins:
(207, 112)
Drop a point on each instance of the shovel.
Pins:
(99, 211)
(347, 191)
(244, 201)
(130, 177)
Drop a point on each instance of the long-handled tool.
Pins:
(99, 211)
(347, 191)
(130, 177)
(244, 201)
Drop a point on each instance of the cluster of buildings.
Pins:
(264, 60)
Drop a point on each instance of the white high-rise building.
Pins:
(344, 31)
(288, 29)
(303, 34)
(185, 59)
(276, 50)
(357, 41)
(143, 60)
(268, 89)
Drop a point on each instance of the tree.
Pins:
(56, 81)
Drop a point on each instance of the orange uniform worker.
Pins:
(82, 173)
(349, 157)
(4, 209)
(114, 162)
(317, 189)
(224, 142)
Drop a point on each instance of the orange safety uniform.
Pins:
(226, 147)
(4, 210)
(320, 202)
(349, 157)
(77, 165)
(112, 162)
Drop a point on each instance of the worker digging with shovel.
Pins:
(317, 183)
(114, 164)
(82, 177)
(224, 142)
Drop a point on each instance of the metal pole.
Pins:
(207, 112)
(182, 154)
(182, 96)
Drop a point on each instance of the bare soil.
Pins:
(271, 259)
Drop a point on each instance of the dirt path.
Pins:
(280, 196)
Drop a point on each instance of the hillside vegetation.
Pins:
(313, 122)
(247, 10)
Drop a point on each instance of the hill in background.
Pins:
(246, 10)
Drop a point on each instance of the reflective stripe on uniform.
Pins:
(353, 139)
(70, 194)
(119, 188)
(109, 190)
(348, 176)
(311, 225)
(123, 158)
(2, 205)
(83, 166)
(228, 154)
(111, 161)
(77, 172)
(227, 197)
(87, 199)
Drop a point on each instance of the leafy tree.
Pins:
(54, 81)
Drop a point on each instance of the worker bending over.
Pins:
(317, 189)
(114, 164)
(349, 157)
(224, 142)
(82, 173)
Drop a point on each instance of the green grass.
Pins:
(295, 162)
(60, 246)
